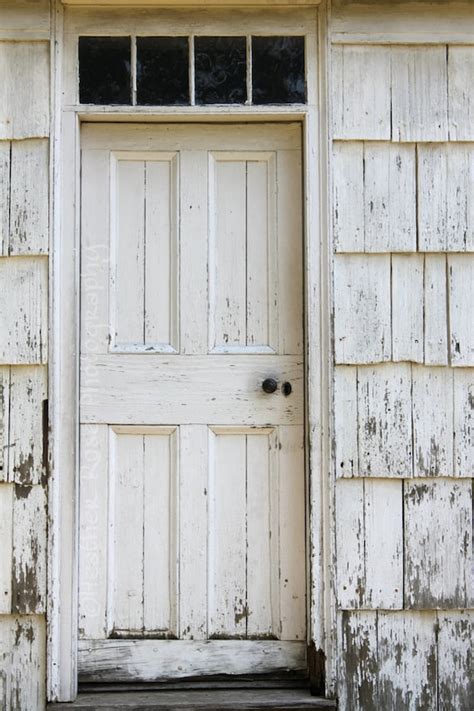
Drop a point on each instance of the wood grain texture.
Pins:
(461, 298)
(29, 200)
(385, 421)
(433, 435)
(6, 549)
(346, 445)
(373, 189)
(461, 93)
(407, 308)
(5, 162)
(29, 550)
(438, 543)
(464, 422)
(435, 310)
(455, 659)
(24, 95)
(419, 94)
(4, 421)
(120, 660)
(23, 662)
(408, 678)
(23, 310)
(27, 438)
(445, 199)
(358, 664)
(362, 327)
(361, 108)
(369, 547)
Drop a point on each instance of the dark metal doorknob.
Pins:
(269, 385)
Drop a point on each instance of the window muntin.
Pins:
(167, 71)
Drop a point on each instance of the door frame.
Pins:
(67, 118)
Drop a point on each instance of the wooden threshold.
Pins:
(216, 700)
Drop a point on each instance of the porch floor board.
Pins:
(211, 700)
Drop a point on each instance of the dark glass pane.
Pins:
(278, 70)
(220, 70)
(104, 70)
(162, 70)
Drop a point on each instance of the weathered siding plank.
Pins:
(23, 310)
(461, 298)
(373, 189)
(461, 93)
(433, 421)
(6, 542)
(455, 660)
(407, 661)
(438, 543)
(4, 196)
(362, 308)
(29, 550)
(4, 420)
(29, 197)
(407, 307)
(358, 661)
(361, 107)
(28, 392)
(345, 421)
(389, 205)
(445, 200)
(25, 19)
(350, 543)
(28, 663)
(464, 422)
(419, 93)
(436, 310)
(384, 421)
(369, 544)
(348, 197)
(24, 91)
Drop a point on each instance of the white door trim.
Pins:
(64, 320)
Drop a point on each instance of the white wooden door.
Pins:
(192, 484)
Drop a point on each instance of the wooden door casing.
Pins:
(192, 485)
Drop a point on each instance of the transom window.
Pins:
(196, 70)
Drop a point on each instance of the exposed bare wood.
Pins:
(408, 677)
(464, 422)
(438, 543)
(4, 421)
(407, 308)
(24, 93)
(348, 196)
(385, 421)
(361, 108)
(121, 659)
(23, 649)
(6, 549)
(455, 679)
(362, 308)
(5, 158)
(461, 93)
(23, 310)
(461, 297)
(29, 550)
(419, 94)
(358, 679)
(29, 201)
(28, 427)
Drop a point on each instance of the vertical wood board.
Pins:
(29, 201)
(461, 93)
(407, 308)
(433, 421)
(28, 425)
(435, 310)
(29, 550)
(461, 298)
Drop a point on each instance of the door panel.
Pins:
(192, 495)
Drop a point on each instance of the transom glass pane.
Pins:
(220, 70)
(278, 70)
(104, 70)
(162, 70)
